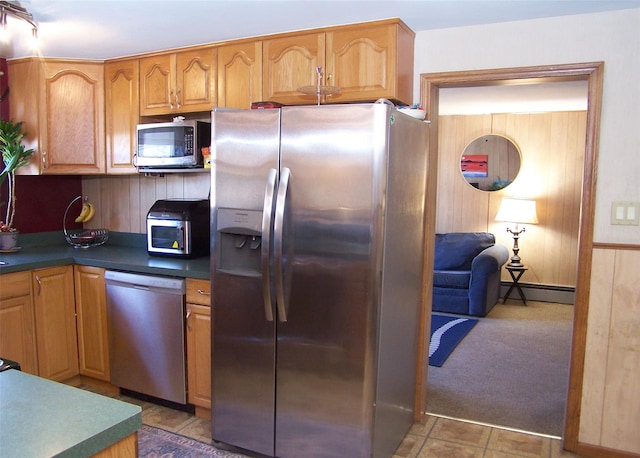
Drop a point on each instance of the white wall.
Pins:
(611, 37)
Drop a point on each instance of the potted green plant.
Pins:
(14, 156)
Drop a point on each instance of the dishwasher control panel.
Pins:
(171, 284)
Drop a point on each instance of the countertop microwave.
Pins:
(167, 145)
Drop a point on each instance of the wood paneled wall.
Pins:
(552, 147)
(122, 202)
(610, 405)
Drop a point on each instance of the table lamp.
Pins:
(518, 211)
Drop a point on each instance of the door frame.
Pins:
(592, 72)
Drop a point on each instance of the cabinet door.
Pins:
(25, 78)
(17, 328)
(72, 118)
(91, 310)
(240, 75)
(157, 84)
(56, 337)
(364, 62)
(195, 88)
(199, 354)
(121, 114)
(290, 63)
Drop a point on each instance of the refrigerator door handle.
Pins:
(278, 241)
(267, 218)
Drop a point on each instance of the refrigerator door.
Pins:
(245, 150)
(332, 259)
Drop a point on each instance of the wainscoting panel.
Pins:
(552, 147)
(610, 404)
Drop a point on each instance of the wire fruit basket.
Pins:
(85, 238)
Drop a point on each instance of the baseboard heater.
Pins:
(541, 293)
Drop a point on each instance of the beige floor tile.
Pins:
(139, 402)
(434, 448)
(437, 438)
(519, 444)
(423, 429)
(199, 429)
(558, 452)
(165, 418)
(410, 446)
(460, 432)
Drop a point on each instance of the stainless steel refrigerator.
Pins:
(317, 261)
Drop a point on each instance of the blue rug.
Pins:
(446, 334)
(157, 443)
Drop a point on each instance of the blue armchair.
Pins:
(466, 277)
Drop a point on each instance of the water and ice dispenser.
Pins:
(240, 240)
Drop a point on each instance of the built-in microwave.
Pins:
(168, 145)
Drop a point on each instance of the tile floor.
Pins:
(439, 437)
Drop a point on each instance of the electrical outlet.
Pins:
(625, 213)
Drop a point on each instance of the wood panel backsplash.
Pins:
(123, 201)
(552, 148)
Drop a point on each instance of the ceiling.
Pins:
(103, 29)
(518, 98)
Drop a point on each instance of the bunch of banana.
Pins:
(87, 212)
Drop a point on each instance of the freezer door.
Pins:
(331, 259)
(245, 148)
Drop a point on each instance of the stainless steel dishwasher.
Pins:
(146, 334)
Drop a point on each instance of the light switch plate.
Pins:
(625, 213)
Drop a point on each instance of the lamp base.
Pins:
(515, 259)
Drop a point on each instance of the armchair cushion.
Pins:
(456, 250)
(466, 276)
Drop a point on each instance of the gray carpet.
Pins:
(511, 370)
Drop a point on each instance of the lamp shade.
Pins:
(513, 210)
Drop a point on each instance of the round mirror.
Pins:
(490, 162)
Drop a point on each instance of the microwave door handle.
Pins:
(267, 226)
(278, 245)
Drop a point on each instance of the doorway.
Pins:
(430, 85)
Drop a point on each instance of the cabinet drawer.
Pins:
(15, 285)
(198, 291)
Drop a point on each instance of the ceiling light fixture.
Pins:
(14, 9)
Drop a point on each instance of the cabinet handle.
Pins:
(44, 159)
(178, 104)
(39, 284)
(203, 293)
(187, 319)
(171, 98)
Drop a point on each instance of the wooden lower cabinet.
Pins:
(91, 320)
(56, 337)
(199, 342)
(17, 325)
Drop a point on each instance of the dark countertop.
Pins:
(45, 418)
(123, 251)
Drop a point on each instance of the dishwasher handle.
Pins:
(168, 285)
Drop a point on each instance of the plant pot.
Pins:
(8, 240)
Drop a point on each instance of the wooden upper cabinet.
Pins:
(240, 75)
(62, 105)
(181, 82)
(121, 80)
(368, 62)
(290, 63)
